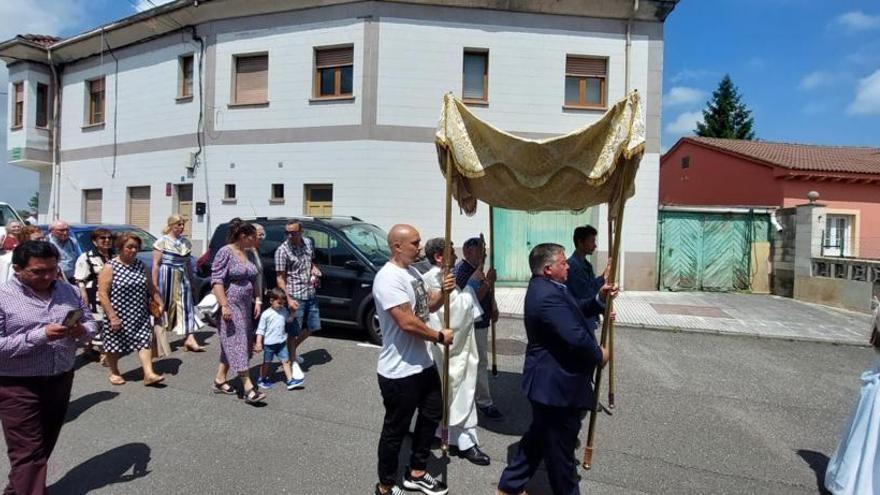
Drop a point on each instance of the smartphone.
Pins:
(72, 318)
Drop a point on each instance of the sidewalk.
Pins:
(754, 315)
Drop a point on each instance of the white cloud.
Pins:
(683, 95)
(684, 123)
(857, 21)
(867, 100)
(52, 17)
(143, 5)
(815, 79)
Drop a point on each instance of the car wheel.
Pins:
(371, 325)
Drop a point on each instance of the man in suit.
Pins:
(561, 356)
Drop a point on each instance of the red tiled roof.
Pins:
(41, 39)
(807, 157)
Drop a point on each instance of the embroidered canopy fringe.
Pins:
(588, 166)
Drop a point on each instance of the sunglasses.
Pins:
(103, 238)
(293, 233)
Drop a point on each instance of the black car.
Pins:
(349, 253)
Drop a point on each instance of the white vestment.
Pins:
(463, 357)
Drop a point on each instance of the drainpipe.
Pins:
(55, 187)
(629, 43)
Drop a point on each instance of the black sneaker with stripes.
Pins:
(425, 483)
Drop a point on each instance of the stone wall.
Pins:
(782, 253)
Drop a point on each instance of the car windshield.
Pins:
(7, 214)
(370, 240)
(85, 238)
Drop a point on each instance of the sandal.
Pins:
(223, 388)
(187, 348)
(254, 396)
(116, 380)
(154, 380)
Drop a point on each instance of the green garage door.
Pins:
(517, 232)
(708, 251)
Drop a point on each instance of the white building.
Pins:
(278, 108)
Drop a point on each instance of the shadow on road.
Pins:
(105, 469)
(315, 357)
(167, 366)
(82, 404)
(818, 462)
(510, 400)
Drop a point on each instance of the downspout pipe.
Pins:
(55, 187)
(629, 23)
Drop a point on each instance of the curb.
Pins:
(710, 331)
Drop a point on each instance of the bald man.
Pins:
(59, 236)
(407, 376)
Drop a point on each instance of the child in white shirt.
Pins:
(272, 340)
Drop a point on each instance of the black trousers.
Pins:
(32, 410)
(551, 437)
(401, 397)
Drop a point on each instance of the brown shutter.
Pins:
(334, 57)
(19, 92)
(252, 79)
(96, 86)
(93, 200)
(139, 207)
(586, 67)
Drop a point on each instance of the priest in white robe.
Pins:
(464, 308)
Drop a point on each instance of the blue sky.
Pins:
(808, 69)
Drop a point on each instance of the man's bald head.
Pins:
(404, 242)
(60, 230)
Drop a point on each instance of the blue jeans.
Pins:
(306, 317)
(271, 351)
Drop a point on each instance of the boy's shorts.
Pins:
(306, 316)
(271, 351)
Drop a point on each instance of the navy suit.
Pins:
(561, 356)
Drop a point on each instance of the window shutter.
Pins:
(19, 92)
(93, 204)
(586, 67)
(252, 79)
(139, 207)
(334, 57)
(96, 86)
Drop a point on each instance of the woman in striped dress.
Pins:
(172, 274)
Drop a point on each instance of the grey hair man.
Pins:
(68, 247)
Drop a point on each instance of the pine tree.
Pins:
(34, 202)
(725, 115)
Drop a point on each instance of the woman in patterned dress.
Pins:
(233, 275)
(124, 290)
(172, 274)
(85, 274)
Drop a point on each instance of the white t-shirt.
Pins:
(402, 354)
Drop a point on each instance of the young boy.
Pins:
(272, 339)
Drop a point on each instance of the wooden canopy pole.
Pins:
(607, 324)
(447, 268)
(610, 340)
(492, 294)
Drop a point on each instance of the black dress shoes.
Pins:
(473, 454)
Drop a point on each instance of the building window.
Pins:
(318, 200)
(42, 105)
(585, 82)
(96, 101)
(251, 81)
(334, 69)
(185, 77)
(18, 105)
(838, 237)
(93, 200)
(229, 192)
(277, 192)
(475, 76)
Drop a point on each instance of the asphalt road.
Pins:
(695, 414)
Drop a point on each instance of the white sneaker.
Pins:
(297, 372)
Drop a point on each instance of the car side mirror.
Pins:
(354, 265)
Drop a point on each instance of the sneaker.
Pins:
(297, 372)
(425, 483)
(294, 383)
(264, 383)
(395, 490)
(491, 412)
(300, 360)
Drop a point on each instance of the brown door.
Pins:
(184, 206)
(93, 200)
(139, 207)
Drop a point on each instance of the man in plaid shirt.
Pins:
(297, 275)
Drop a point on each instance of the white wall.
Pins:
(291, 67)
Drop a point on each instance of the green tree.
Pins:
(34, 202)
(725, 115)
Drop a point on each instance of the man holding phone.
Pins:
(41, 321)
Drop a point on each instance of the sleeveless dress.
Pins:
(129, 298)
(238, 278)
(174, 284)
(854, 469)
